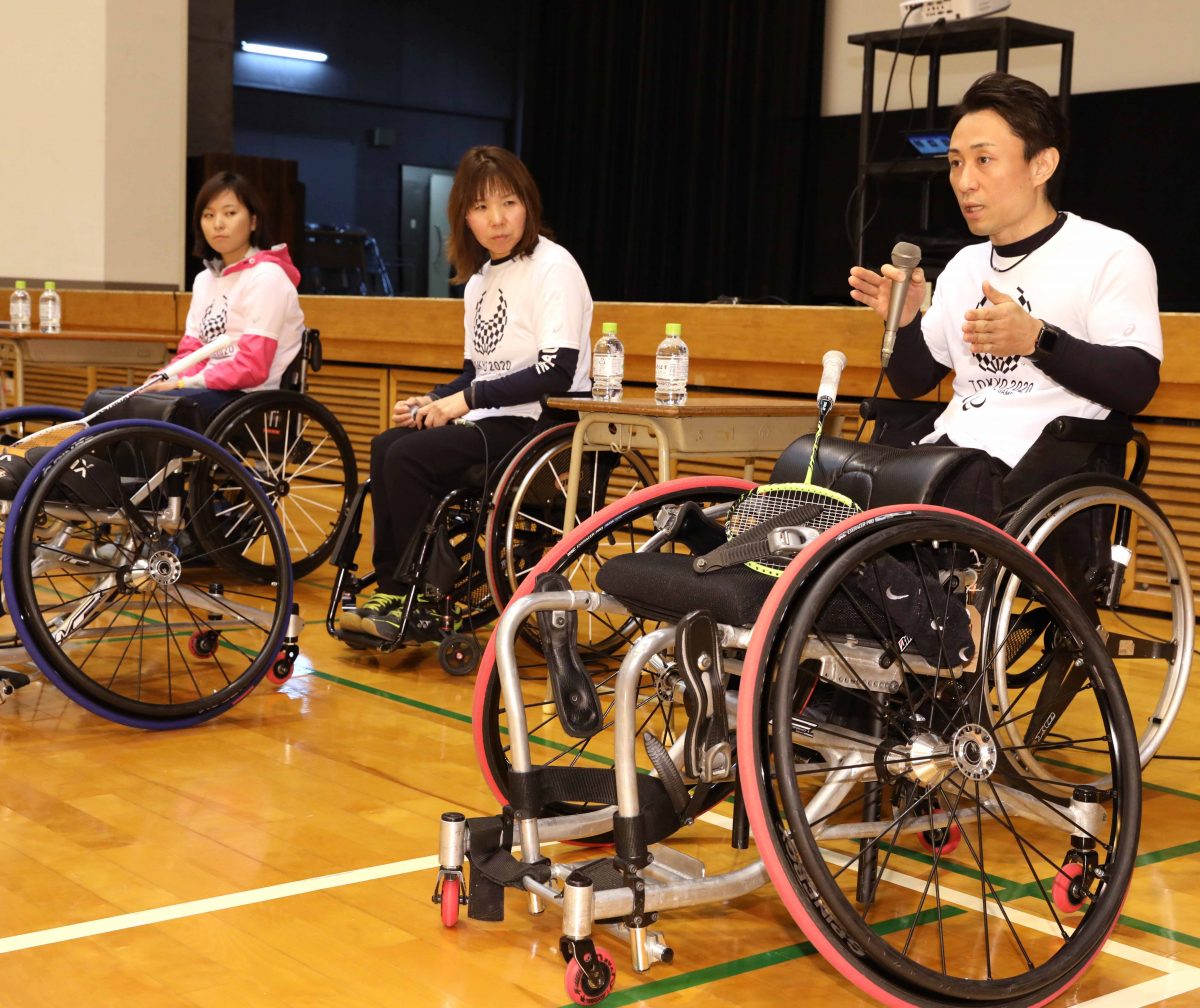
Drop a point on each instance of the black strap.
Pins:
(752, 544)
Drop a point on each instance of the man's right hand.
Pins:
(404, 413)
(874, 290)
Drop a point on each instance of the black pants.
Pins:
(412, 470)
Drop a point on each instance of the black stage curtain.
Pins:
(674, 142)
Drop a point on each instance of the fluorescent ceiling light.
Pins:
(271, 50)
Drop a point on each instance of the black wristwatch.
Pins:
(1047, 340)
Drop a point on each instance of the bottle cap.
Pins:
(50, 285)
(674, 329)
(607, 327)
(20, 285)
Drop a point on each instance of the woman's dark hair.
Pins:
(239, 185)
(1029, 111)
(485, 171)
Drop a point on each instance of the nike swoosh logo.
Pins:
(894, 597)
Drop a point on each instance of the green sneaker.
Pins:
(354, 619)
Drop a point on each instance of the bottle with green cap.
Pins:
(50, 309)
(608, 365)
(19, 308)
(671, 368)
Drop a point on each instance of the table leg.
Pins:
(572, 502)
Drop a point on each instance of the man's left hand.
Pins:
(440, 412)
(1001, 327)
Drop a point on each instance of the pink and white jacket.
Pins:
(254, 300)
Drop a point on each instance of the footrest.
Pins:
(603, 873)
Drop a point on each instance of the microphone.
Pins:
(832, 364)
(905, 257)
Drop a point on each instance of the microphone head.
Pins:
(906, 256)
(834, 358)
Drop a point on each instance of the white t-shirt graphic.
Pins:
(1091, 281)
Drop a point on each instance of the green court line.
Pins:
(1008, 890)
(751, 963)
(1159, 931)
(453, 715)
(388, 695)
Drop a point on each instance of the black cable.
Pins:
(860, 188)
(874, 398)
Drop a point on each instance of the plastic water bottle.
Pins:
(19, 308)
(671, 368)
(608, 365)
(50, 309)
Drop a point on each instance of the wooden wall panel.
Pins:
(382, 349)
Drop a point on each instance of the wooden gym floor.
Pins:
(284, 855)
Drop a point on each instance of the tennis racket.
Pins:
(759, 512)
(61, 431)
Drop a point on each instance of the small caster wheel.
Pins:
(940, 841)
(281, 671)
(1069, 891)
(203, 643)
(459, 654)
(585, 990)
(451, 890)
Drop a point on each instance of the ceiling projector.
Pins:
(928, 11)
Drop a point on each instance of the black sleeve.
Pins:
(913, 370)
(551, 375)
(457, 384)
(1119, 378)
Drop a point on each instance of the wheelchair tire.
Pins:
(17, 422)
(110, 580)
(837, 803)
(305, 464)
(526, 518)
(624, 526)
(1120, 591)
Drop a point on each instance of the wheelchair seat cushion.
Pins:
(892, 600)
(176, 409)
(664, 586)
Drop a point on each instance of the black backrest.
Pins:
(308, 357)
(1067, 445)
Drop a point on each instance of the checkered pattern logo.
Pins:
(213, 323)
(992, 363)
(487, 332)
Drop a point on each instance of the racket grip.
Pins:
(176, 368)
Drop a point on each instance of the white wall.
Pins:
(94, 193)
(1118, 45)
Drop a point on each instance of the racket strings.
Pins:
(769, 505)
(46, 437)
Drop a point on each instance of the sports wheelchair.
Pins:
(481, 540)
(918, 722)
(151, 564)
(298, 451)
(125, 575)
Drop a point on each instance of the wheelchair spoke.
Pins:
(844, 788)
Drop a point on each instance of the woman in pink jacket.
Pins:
(247, 289)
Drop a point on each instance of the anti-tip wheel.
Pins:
(459, 654)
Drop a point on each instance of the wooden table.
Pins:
(138, 351)
(748, 427)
